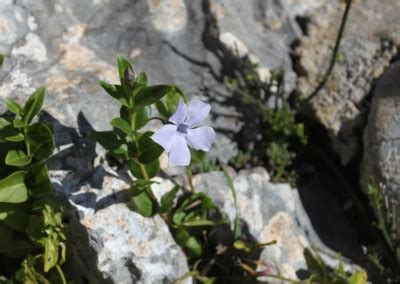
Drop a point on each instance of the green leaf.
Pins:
(162, 109)
(16, 138)
(172, 100)
(190, 244)
(33, 105)
(122, 125)
(17, 220)
(14, 107)
(197, 156)
(18, 123)
(7, 131)
(167, 201)
(50, 253)
(194, 247)
(5, 235)
(1, 60)
(167, 106)
(17, 158)
(151, 169)
(141, 202)
(359, 277)
(13, 189)
(140, 117)
(3, 123)
(149, 95)
(40, 139)
(141, 80)
(114, 91)
(38, 181)
(108, 139)
(149, 150)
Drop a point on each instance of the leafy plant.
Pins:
(320, 273)
(129, 142)
(271, 135)
(385, 257)
(31, 229)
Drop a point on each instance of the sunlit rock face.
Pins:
(69, 45)
(268, 212)
(367, 48)
(107, 241)
(381, 157)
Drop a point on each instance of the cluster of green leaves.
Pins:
(128, 141)
(386, 257)
(31, 230)
(321, 273)
(267, 114)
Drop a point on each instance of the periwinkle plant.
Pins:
(141, 149)
(32, 241)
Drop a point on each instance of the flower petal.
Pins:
(201, 138)
(165, 136)
(179, 154)
(197, 112)
(180, 114)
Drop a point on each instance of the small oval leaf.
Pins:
(17, 158)
(13, 189)
(149, 95)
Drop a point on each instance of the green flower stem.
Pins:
(151, 193)
(334, 53)
(190, 178)
(148, 188)
(186, 276)
(381, 221)
(61, 274)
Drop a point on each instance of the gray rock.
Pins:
(107, 241)
(370, 42)
(381, 159)
(69, 45)
(269, 212)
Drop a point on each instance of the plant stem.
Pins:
(186, 276)
(164, 121)
(151, 193)
(190, 178)
(62, 277)
(148, 188)
(334, 53)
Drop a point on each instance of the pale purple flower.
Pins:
(184, 131)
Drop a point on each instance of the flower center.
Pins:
(182, 128)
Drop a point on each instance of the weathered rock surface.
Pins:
(381, 159)
(370, 42)
(107, 241)
(269, 212)
(69, 45)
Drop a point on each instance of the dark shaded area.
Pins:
(333, 199)
(77, 158)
